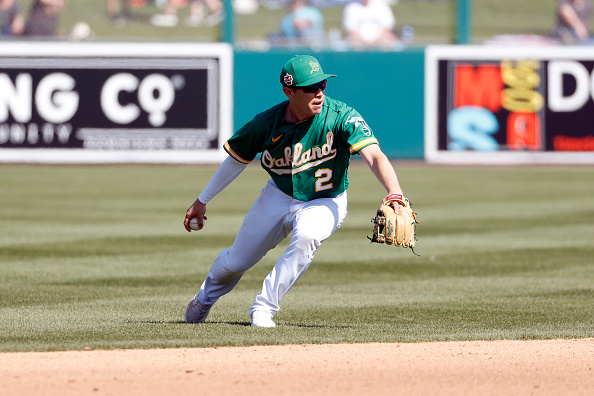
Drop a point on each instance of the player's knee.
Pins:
(309, 240)
(223, 275)
(221, 270)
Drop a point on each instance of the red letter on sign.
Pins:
(523, 131)
(478, 86)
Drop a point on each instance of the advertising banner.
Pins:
(72, 102)
(494, 104)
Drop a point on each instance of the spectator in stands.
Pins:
(369, 23)
(573, 22)
(43, 18)
(118, 11)
(196, 18)
(303, 24)
(12, 21)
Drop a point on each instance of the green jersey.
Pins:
(307, 160)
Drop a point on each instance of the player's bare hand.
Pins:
(197, 211)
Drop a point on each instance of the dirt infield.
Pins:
(556, 367)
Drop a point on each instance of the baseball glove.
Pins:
(391, 228)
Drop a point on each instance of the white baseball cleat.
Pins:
(196, 311)
(262, 319)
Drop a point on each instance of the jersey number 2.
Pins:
(323, 175)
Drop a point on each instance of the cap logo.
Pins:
(288, 79)
(315, 67)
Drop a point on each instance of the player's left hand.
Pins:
(395, 222)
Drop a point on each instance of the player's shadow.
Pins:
(245, 324)
(175, 322)
(317, 326)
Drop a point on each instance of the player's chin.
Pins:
(316, 108)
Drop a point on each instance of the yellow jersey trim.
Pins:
(363, 143)
(234, 154)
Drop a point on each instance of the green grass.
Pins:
(434, 21)
(96, 257)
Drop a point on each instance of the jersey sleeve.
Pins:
(358, 133)
(246, 143)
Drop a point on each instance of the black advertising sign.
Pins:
(131, 101)
(510, 101)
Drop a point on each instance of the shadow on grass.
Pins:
(317, 326)
(247, 324)
(173, 322)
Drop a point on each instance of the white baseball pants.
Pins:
(271, 218)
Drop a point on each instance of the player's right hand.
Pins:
(197, 210)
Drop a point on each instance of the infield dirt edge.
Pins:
(539, 367)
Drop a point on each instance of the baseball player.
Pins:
(305, 144)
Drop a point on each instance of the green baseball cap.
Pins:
(302, 70)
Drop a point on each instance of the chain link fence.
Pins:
(256, 24)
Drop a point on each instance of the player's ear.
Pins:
(288, 92)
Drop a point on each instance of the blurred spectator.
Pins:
(246, 7)
(118, 11)
(573, 22)
(81, 31)
(304, 24)
(369, 23)
(197, 15)
(12, 21)
(43, 18)
(304, 21)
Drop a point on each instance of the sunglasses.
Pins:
(315, 87)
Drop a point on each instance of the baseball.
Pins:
(194, 224)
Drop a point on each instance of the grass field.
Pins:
(434, 21)
(96, 257)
